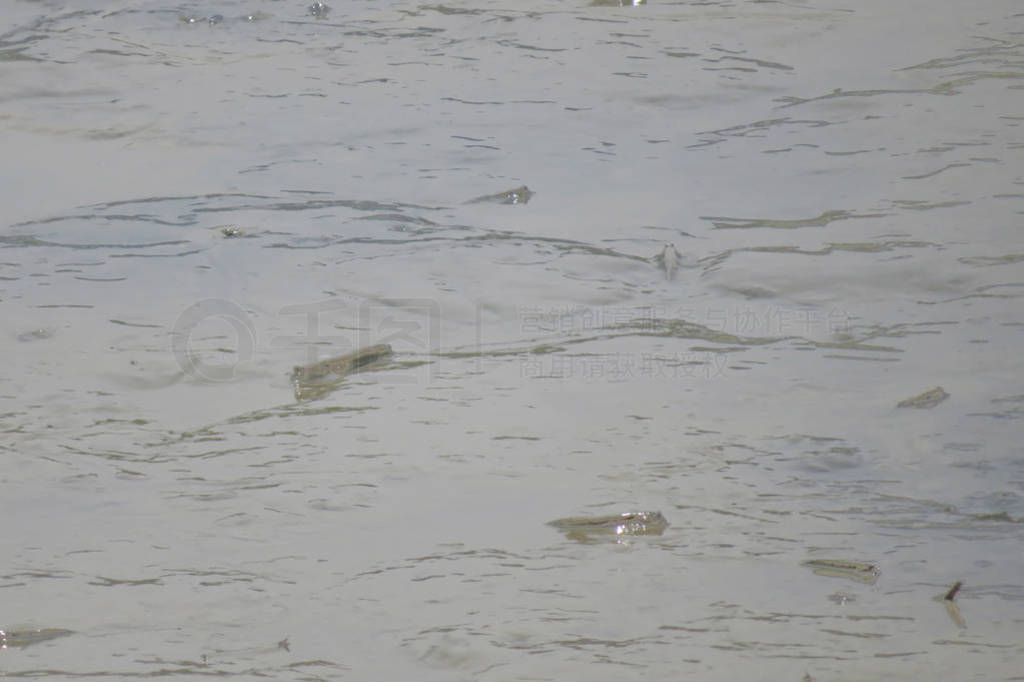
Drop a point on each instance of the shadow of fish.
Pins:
(519, 195)
(320, 378)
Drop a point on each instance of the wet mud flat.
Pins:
(722, 304)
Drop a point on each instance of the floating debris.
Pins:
(10, 639)
(519, 195)
(859, 571)
(591, 528)
(926, 400)
(320, 378)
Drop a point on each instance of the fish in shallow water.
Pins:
(859, 571)
(926, 400)
(313, 381)
(519, 195)
(10, 639)
(591, 528)
(669, 260)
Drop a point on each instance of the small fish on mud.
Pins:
(859, 571)
(592, 528)
(320, 378)
(519, 195)
(10, 639)
(926, 400)
(669, 260)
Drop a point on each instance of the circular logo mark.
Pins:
(188, 345)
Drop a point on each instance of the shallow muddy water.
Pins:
(200, 197)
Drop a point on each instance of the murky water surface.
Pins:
(199, 197)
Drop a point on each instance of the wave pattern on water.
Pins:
(752, 230)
